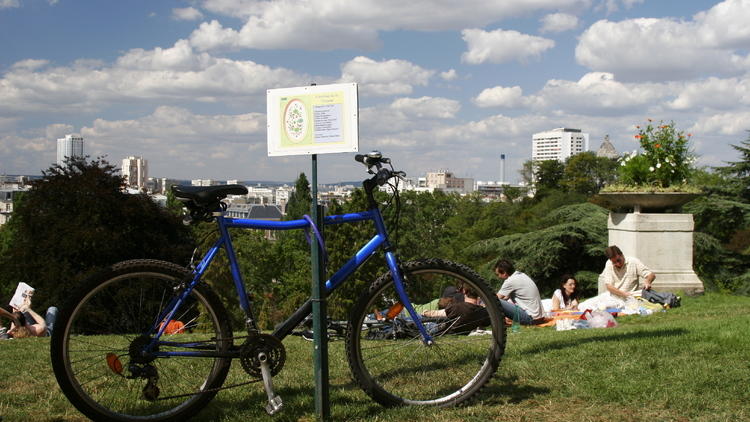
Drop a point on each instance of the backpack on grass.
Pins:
(665, 298)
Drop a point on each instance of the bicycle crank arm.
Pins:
(274, 401)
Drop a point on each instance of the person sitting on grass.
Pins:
(622, 273)
(522, 291)
(566, 297)
(469, 314)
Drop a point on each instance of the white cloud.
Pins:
(30, 64)
(449, 75)
(668, 49)
(332, 24)
(169, 74)
(501, 46)
(612, 6)
(427, 107)
(713, 93)
(174, 134)
(388, 77)
(598, 93)
(725, 25)
(499, 96)
(186, 14)
(559, 22)
(730, 123)
(7, 4)
(275, 33)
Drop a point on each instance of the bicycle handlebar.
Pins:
(381, 174)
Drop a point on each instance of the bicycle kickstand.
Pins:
(274, 401)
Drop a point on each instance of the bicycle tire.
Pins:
(104, 317)
(400, 369)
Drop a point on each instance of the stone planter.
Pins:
(643, 201)
(662, 240)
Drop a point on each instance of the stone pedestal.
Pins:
(663, 242)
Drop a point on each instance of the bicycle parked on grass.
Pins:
(148, 340)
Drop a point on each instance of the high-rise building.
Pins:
(135, 171)
(558, 144)
(68, 147)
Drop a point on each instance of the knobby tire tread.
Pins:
(58, 340)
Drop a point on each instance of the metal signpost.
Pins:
(314, 120)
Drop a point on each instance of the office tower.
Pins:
(68, 147)
(558, 144)
(135, 171)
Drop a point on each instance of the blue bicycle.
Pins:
(147, 340)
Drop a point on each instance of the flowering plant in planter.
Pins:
(663, 165)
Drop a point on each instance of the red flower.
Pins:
(637, 136)
(657, 145)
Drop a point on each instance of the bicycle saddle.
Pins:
(203, 195)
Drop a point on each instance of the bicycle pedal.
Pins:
(274, 405)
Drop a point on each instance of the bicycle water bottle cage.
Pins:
(203, 201)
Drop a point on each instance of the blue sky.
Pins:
(442, 84)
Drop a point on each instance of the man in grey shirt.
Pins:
(522, 290)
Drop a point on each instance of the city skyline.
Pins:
(441, 85)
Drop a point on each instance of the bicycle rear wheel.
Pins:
(392, 364)
(96, 345)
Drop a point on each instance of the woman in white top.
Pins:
(566, 297)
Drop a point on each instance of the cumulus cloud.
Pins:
(499, 96)
(449, 75)
(165, 74)
(275, 33)
(427, 107)
(668, 49)
(7, 4)
(612, 6)
(328, 25)
(598, 93)
(501, 46)
(713, 93)
(177, 135)
(559, 22)
(730, 123)
(383, 78)
(186, 14)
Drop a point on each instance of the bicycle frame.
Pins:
(380, 239)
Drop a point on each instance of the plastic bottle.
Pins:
(516, 326)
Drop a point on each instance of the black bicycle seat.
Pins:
(207, 194)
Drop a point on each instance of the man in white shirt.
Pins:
(522, 290)
(622, 273)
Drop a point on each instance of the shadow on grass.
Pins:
(506, 390)
(557, 345)
(299, 405)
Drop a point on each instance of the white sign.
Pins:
(318, 119)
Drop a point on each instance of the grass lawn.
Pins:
(688, 364)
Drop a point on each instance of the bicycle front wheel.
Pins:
(97, 345)
(388, 357)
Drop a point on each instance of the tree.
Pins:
(571, 240)
(75, 220)
(548, 174)
(300, 200)
(739, 171)
(586, 173)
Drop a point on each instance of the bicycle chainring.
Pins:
(273, 348)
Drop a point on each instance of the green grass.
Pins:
(688, 364)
